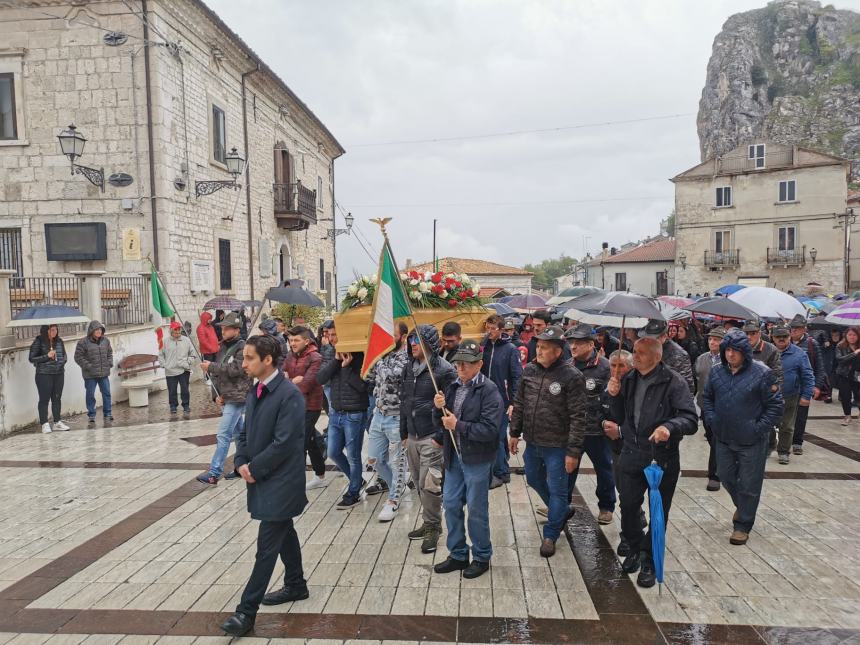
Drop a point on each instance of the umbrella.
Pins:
(848, 315)
(617, 303)
(657, 523)
(729, 289)
(227, 303)
(253, 303)
(768, 302)
(572, 292)
(294, 293)
(47, 315)
(500, 308)
(723, 307)
(598, 320)
(525, 302)
(670, 311)
(676, 301)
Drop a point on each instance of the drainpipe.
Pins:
(333, 239)
(150, 138)
(245, 75)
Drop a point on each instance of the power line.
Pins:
(511, 133)
(527, 203)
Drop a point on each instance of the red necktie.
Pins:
(260, 387)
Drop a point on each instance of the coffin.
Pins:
(354, 324)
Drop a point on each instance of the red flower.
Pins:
(437, 289)
(436, 278)
(452, 303)
(458, 284)
(470, 293)
(462, 295)
(449, 282)
(414, 275)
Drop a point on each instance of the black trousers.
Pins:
(312, 443)
(800, 425)
(712, 454)
(849, 394)
(273, 539)
(50, 388)
(182, 381)
(632, 487)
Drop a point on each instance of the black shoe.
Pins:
(377, 488)
(623, 548)
(232, 475)
(506, 479)
(495, 482)
(348, 501)
(450, 565)
(286, 594)
(646, 577)
(431, 538)
(238, 624)
(108, 419)
(477, 568)
(631, 563)
(713, 485)
(418, 534)
(207, 478)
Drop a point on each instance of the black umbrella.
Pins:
(616, 303)
(723, 307)
(294, 293)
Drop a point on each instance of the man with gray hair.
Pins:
(674, 356)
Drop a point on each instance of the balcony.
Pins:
(787, 258)
(295, 206)
(735, 164)
(721, 259)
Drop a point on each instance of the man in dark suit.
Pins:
(271, 459)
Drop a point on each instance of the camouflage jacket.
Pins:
(387, 377)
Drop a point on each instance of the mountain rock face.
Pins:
(789, 72)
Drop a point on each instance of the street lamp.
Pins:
(813, 253)
(334, 232)
(683, 260)
(72, 145)
(235, 165)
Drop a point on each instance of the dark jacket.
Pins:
(668, 402)
(798, 378)
(39, 355)
(675, 358)
(743, 407)
(565, 354)
(847, 362)
(813, 350)
(828, 355)
(226, 372)
(503, 366)
(596, 373)
(550, 406)
(348, 389)
(477, 428)
(704, 364)
(307, 365)
(417, 391)
(272, 444)
(94, 356)
(768, 354)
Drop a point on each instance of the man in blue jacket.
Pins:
(742, 403)
(797, 387)
(502, 365)
(469, 412)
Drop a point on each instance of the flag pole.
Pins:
(386, 244)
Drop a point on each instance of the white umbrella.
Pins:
(848, 314)
(604, 320)
(767, 302)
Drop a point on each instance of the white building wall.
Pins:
(641, 276)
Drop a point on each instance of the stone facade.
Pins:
(66, 73)
(757, 236)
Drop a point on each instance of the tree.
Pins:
(670, 224)
(546, 271)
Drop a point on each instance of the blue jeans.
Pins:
(90, 397)
(546, 474)
(385, 447)
(228, 430)
(346, 430)
(597, 449)
(741, 470)
(501, 468)
(468, 485)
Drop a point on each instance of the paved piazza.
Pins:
(106, 537)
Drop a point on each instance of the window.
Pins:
(10, 252)
(621, 282)
(756, 153)
(787, 239)
(219, 135)
(662, 283)
(724, 196)
(322, 275)
(225, 272)
(788, 191)
(319, 192)
(722, 242)
(8, 122)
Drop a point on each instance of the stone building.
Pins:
(762, 214)
(162, 90)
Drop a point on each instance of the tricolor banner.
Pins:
(159, 306)
(389, 303)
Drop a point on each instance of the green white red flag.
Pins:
(159, 306)
(389, 304)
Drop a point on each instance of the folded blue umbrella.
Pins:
(657, 525)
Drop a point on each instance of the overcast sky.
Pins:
(380, 71)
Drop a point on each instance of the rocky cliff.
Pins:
(789, 72)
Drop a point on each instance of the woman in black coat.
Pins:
(48, 354)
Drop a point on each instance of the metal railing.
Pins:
(728, 258)
(33, 292)
(125, 301)
(10, 252)
(792, 257)
(742, 162)
(294, 198)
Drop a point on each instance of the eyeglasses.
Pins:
(413, 340)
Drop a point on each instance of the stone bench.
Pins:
(137, 372)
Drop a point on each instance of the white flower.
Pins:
(362, 293)
(352, 290)
(475, 288)
(404, 276)
(413, 283)
(415, 295)
(365, 279)
(424, 287)
(428, 275)
(374, 279)
(444, 293)
(464, 278)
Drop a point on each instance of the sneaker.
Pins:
(796, 449)
(713, 485)
(348, 502)
(739, 538)
(846, 421)
(232, 475)
(377, 488)
(604, 517)
(59, 425)
(207, 478)
(46, 428)
(389, 509)
(783, 458)
(316, 482)
(543, 511)
(91, 421)
(547, 548)
(418, 534)
(450, 565)
(477, 568)
(431, 539)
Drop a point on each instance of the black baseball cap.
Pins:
(468, 352)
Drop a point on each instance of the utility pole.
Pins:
(848, 218)
(435, 261)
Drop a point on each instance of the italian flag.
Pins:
(159, 306)
(389, 303)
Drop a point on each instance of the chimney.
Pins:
(604, 246)
(408, 263)
(613, 251)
